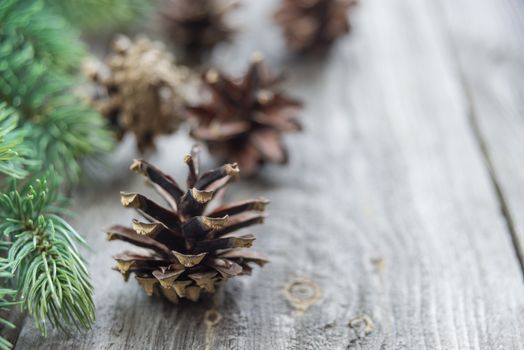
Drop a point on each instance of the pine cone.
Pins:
(197, 25)
(139, 90)
(313, 25)
(193, 246)
(245, 118)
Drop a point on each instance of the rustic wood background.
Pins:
(399, 223)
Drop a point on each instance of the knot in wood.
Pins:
(362, 325)
(301, 293)
(212, 317)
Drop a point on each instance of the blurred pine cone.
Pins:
(244, 119)
(140, 90)
(313, 25)
(197, 25)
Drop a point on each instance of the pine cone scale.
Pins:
(267, 142)
(128, 235)
(151, 210)
(246, 254)
(129, 262)
(244, 241)
(283, 121)
(257, 205)
(239, 221)
(226, 268)
(158, 178)
(221, 132)
(162, 234)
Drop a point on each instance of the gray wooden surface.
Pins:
(395, 226)
(490, 57)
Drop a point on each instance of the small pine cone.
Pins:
(139, 90)
(197, 25)
(313, 25)
(193, 245)
(244, 119)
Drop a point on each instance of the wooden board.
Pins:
(489, 50)
(386, 223)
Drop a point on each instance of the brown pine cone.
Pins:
(139, 90)
(197, 25)
(244, 119)
(313, 25)
(192, 245)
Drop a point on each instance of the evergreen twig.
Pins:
(63, 128)
(55, 43)
(50, 276)
(13, 151)
(7, 296)
(103, 14)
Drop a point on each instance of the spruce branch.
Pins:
(55, 43)
(63, 128)
(51, 277)
(103, 14)
(13, 152)
(7, 296)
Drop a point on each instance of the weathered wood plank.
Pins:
(489, 48)
(387, 206)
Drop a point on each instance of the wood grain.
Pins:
(385, 226)
(491, 60)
